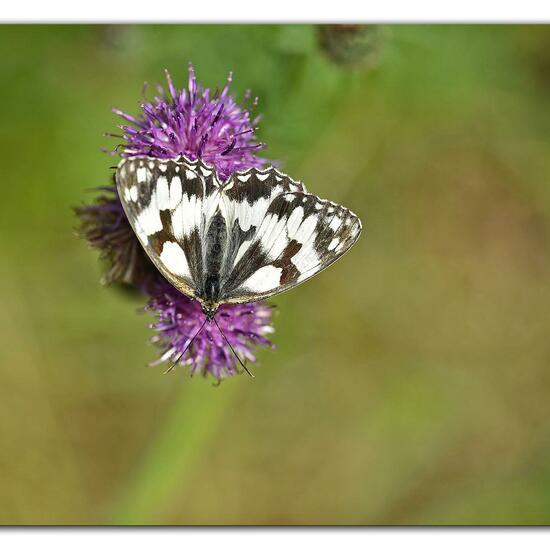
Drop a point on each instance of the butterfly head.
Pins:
(209, 309)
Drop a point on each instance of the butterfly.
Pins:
(250, 237)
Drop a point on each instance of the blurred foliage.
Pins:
(410, 381)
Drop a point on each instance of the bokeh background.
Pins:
(411, 381)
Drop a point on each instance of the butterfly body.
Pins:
(253, 236)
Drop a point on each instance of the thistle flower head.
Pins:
(179, 319)
(196, 123)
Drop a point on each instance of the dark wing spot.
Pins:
(156, 241)
(289, 270)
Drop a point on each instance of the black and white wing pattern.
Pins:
(292, 235)
(258, 234)
(168, 204)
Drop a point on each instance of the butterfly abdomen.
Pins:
(216, 244)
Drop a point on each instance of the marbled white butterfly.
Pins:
(255, 235)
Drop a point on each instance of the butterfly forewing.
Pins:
(258, 234)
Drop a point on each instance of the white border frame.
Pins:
(259, 11)
(277, 11)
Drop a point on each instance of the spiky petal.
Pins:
(195, 123)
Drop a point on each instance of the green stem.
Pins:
(193, 422)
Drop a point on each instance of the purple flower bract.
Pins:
(195, 123)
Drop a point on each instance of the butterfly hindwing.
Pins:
(299, 236)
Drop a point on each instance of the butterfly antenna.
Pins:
(186, 348)
(231, 347)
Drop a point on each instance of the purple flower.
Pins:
(195, 123)
(179, 320)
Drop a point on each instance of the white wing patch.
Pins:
(264, 279)
(332, 245)
(149, 219)
(250, 215)
(335, 223)
(142, 174)
(175, 192)
(294, 221)
(273, 236)
(304, 233)
(186, 216)
(173, 257)
(280, 242)
(163, 193)
(305, 258)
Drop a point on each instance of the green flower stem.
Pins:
(194, 420)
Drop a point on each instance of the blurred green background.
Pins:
(411, 381)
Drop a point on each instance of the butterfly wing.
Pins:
(167, 203)
(244, 203)
(291, 237)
